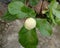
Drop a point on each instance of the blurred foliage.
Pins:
(18, 10)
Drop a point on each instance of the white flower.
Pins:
(30, 23)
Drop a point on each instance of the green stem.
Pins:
(52, 17)
(50, 11)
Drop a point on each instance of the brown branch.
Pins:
(27, 2)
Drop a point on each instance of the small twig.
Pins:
(27, 2)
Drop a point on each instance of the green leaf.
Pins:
(53, 5)
(55, 9)
(20, 10)
(8, 17)
(15, 7)
(15, 0)
(20, 0)
(23, 1)
(44, 27)
(28, 38)
(58, 7)
(57, 20)
(49, 0)
(33, 2)
(56, 13)
(30, 12)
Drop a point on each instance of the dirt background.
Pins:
(10, 37)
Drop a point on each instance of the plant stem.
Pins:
(52, 17)
(50, 12)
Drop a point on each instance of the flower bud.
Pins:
(30, 23)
